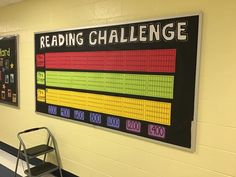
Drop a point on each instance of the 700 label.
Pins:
(156, 131)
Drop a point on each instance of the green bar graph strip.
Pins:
(160, 86)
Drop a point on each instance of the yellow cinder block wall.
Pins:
(91, 152)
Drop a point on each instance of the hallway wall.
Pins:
(91, 152)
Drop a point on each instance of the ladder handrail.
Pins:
(27, 131)
(32, 129)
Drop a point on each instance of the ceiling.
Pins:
(7, 2)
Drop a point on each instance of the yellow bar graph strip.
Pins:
(151, 111)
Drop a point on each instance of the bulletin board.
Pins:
(8, 70)
(139, 78)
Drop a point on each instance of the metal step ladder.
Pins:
(43, 149)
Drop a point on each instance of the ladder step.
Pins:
(38, 150)
(42, 169)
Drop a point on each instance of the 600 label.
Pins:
(134, 126)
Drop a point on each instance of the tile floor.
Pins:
(9, 161)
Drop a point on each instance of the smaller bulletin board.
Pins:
(8, 70)
(139, 78)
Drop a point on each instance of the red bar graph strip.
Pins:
(161, 60)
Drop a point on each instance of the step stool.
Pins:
(33, 152)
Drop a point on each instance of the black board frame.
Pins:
(10, 68)
(184, 129)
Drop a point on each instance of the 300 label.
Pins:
(79, 115)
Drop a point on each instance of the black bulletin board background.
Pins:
(179, 133)
(8, 69)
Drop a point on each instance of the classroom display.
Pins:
(138, 78)
(8, 70)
